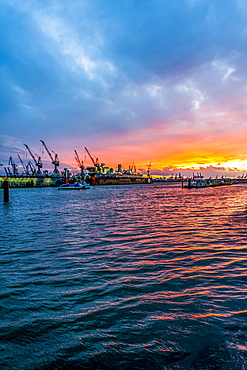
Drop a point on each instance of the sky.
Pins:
(134, 81)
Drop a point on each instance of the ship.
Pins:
(100, 174)
(206, 183)
(119, 179)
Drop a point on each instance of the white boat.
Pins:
(74, 186)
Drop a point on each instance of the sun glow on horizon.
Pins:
(238, 164)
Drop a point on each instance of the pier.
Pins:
(30, 182)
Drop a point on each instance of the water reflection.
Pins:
(142, 276)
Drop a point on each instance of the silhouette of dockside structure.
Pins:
(31, 174)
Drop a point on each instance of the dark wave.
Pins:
(125, 277)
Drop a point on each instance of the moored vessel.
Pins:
(206, 183)
(74, 186)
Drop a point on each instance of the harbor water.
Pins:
(124, 277)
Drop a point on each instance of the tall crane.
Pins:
(97, 167)
(38, 162)
(149, 168)
(25, 167)
(132, 168)
(8, 172)
(95, 162)
(80, 163)
(54, 160)
(14, 166)
(32, 168)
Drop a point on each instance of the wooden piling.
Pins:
(6, 191)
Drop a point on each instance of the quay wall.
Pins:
(30, 182)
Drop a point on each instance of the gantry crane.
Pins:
(80, 163)
(38, 162)
(54, 160)
(14, 166)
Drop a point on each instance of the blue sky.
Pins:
(133, 81)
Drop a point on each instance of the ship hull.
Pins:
(120, 180)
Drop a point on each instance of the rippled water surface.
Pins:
(124, 277)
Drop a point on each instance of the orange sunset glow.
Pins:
(173, 94)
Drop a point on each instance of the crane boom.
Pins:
(47, 150)
(31, 153)
(22, 163)
(25, 167)
(14, 166)
(8, 172)
(95, 162)
(90, 156)
(38, 162)
(79, 162)
(54, 160)
(149, 168)
(32, 168)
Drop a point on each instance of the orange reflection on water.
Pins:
(238, 312)
(211, 314)
(223, 315)
(163, 317)
(197, 316)
(241, 347)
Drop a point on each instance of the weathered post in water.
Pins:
(6, 191)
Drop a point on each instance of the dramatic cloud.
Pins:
(133, 81)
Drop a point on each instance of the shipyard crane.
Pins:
(8, 172)
(95, 162)
(80, 163)
(149, 168)
(132, 169)
(14, 166)
(38, 162)
(32, 168)
(25, 167)
(54, 160)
